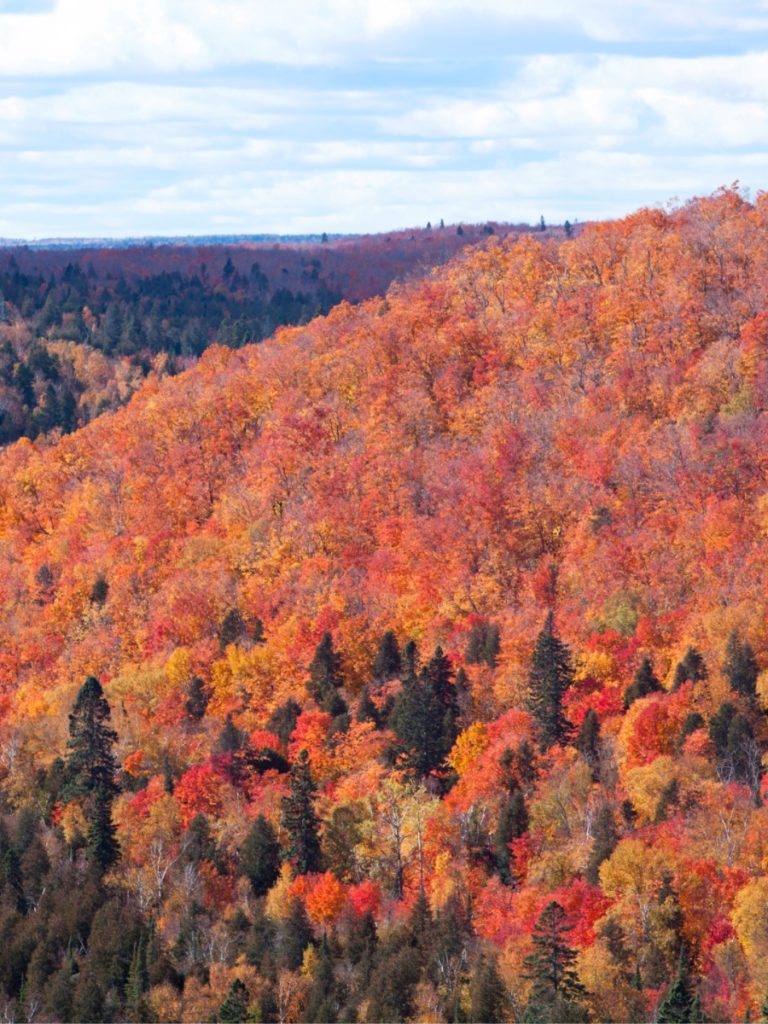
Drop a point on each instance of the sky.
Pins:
(176, 117)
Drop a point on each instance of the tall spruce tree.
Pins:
(556, 993)
(512, 824)
(550, 676)
(691, 668)
(326, 679)
(644, 683)
(740, 667)
(90, 764)
(300, 820)
(423, 718)
(103, 848)
(260, 856)
(488, 999)
(679, 1005)
(234, 1009)
(388, 663)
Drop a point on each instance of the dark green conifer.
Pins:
(103, 848)
(234, 1009)
(325, 678)
(388, 663)
(691, 669)
(557, 994)
(605, 839)
(719, 724)
(296, 936)
(260, 856)
(300, 820)
(588, 740)
(283, 719)
(512, 824)
(679, 1005)
(550, 676)
(740, 667)
(643, 683)
(488, 999)
(197, 699)
(90, 763)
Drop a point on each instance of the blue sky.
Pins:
(238, 116)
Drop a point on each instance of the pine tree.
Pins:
(260, 856)
(410, 660)
(388, 663)
(679, 1005)
(550, 676)
(588, 739)
(103, 848)
(740, 667)
(367, 710)
(197, 699)
(90, 763)
(99, 590)
(325, 678)
(297, 935)
(557, 993)
(487, 993)
(512, 824)
(605, 839)
(230, 739)
(691, 669)
(234, 1009)
(483, 645)
(719, 724)
(643, 683)
(423, 718)
(299, 819)
(136, 985)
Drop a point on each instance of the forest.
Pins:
(81, 328)
(412, 664)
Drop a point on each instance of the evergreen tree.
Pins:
(367, 710)
(260, 856)
(740, 667)
(512, 824)
(483, 645)
(691, 669)
(234, 1009)
(679, 1005)
(423, 718)
(387, 664)
(325, 993)
(605, 839)
(283, 720)
(197, 699)
(90, 765)
(643, 683)
(299, 818)
(230, 740)
(325, 678)
(297, 935)
(487, 993)
(410, 659)
(99, 591)
(198, 843)
(550, 676)
(232, 628)
(103, 848)
(556, 993)
(136, 985)
(692, 723)
(719, 724)
(588, 739)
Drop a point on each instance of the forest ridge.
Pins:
(369, 672)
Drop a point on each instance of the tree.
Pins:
(260, 856)
(103, 848)
(388, 663)
(483, 644)
(423, 718)
(740, 667)
(644, 683)
(487, 993)
(691, 668)
(605, 839)
(197, 699)
(588, 740)
(99, 590)
(325, 678)
(679, 1005)
(234, 1009)
(90, 765)
(512, 824)
(299, 819)
(550, 676)
(557, 993)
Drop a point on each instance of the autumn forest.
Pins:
(384, 627)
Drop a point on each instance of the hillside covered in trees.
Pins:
(411, 664)
(81, 328)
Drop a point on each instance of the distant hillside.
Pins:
(135, 303)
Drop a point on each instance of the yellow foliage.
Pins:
(468, 747)
(443, 884)
(73, 822)
(750, 921)
(279, 898)
(178, 668)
